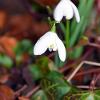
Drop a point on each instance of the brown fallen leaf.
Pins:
(23, 98)
(14, 6)
(39, 28)
(20, 23)
(7, 44)
(3, 19)
(4, 78)
(6, 93)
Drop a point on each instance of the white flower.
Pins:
(66, 8)
(50, 41)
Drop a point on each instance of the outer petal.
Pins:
(75, 11)
(61, 49)
(67, 9)
(58, 12)
(42, 44)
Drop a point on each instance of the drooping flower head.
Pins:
(50, 41)
(66, 8)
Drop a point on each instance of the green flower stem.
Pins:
(53, 29)
(67, 35)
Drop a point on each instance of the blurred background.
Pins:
(24, 76)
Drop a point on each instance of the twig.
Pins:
(32, 91)
(94, 45)
(70, 65)
(85, 87)
(97, 78)
(97, 70)
(92, 84)
(79, 66)
(17, 93)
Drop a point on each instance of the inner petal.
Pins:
(52, 47)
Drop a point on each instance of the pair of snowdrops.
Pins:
(50, 40)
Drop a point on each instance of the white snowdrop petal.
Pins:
(58, 12)
(42, 44)
(67, 9)
(76, 13)
(39, 48)
(61, 49)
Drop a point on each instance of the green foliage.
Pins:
(87, 96)
(58, 62)
(90, 96)
(25, 46)
(41, 68)
(55, 86)
(77, 52)
(40, 95)
(84, 95)
(6, 61)
(78, 29)
(35, 72)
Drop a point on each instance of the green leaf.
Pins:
(78, 29)
(91, 96)
(24, 46)
(83, 95)
(41, 68)
(58, 62)
(6, 61)
(87, 96)
(35, 71)
(97, 95)
(97, 92)
(55, 86)
(40, 95)
(63, 27)
(73, 94)
(45, 64)
(76, 53)
(43, 61)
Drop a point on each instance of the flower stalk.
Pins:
(67, 35)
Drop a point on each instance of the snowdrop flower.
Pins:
(67, 9)
(50, 41)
